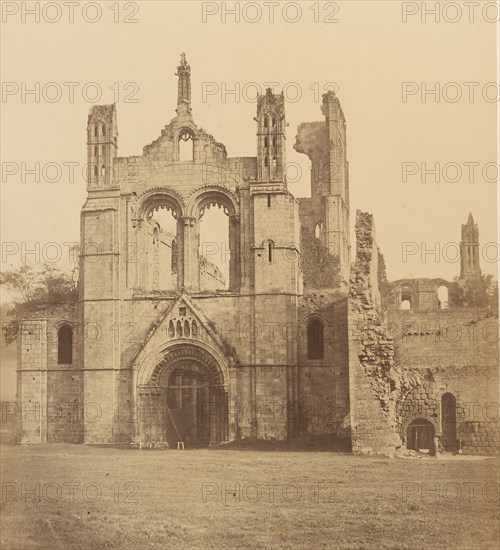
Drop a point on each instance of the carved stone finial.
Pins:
(184, 86)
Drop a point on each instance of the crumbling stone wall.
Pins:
(403, 362)
(373, 377)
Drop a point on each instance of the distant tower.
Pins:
(183, 87)
(102, 146)
(271, 125)
(469, 250)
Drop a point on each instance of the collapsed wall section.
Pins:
(373, 378)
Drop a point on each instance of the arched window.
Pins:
(215, 247)
(449, 422)
(274, 122)
(186, 146)
(103, 170)
(171, 331)
(65, 345)
(315, 344)
(96, 171)
(274, 142)
(179, 329)
(266, 142)
(194, 328)
(95, 130)
(266, 121)
(443, 297)
(266, 162)
(162, 267)
(187, 330)
(103, 130)
(270, 250)
(406, 301)
(156, 235)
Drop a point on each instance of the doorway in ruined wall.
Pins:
(196, 407)
(185, 399)
(420, 436)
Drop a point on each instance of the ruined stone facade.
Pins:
(162, 348)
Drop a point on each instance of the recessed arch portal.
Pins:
(185, 398)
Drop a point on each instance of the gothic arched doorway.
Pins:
(184, 399)
(196, 407)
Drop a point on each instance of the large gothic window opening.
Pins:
(214, 247)
(315, 339)
(162, 250)
(186, 145)
(65, 345)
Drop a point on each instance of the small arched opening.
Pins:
(65, 345)
(449, 422)
(186, 145)
(443, 297)
(405, 301)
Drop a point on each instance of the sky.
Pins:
(369, 56)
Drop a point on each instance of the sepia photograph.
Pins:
(249, 275)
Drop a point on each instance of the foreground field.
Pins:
(80, 497)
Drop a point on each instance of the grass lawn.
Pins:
(128, 499)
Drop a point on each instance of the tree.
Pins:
(479, 292)
(36, 289)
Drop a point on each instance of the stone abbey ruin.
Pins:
(296, 340)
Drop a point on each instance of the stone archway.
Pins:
(184, 400)
(195, 407)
